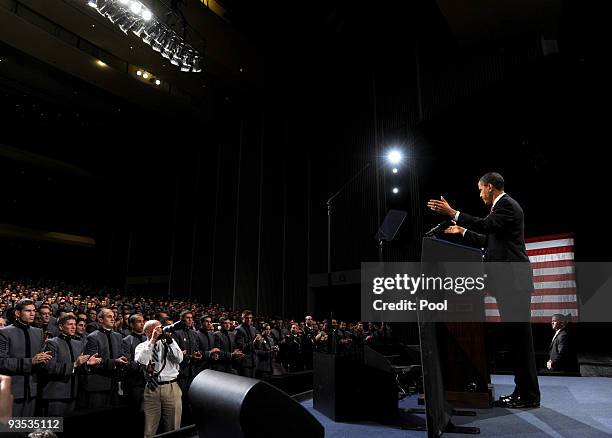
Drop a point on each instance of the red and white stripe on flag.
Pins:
(554, 279)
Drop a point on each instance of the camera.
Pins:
(169, 329)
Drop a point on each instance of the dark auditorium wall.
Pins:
(335, 96)
(228, 205)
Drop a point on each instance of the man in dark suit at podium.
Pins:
(501, 234)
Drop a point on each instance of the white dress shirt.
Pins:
(144, 355)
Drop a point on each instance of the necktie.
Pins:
(155, 359)
(110, 344)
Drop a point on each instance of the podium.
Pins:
(460, 345)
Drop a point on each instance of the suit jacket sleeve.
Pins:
(563, 351)
(501, 215)
(224, 356)
(93, 347)
(53, 367)
(480, 240)
(241, 340)
(12, 366)
(8, 365)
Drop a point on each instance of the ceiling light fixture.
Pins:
(132, 15)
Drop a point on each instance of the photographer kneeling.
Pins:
(162, 394)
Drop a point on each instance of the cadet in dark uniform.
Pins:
(134, 374)
(102, 385)
(187, 340)
(22, 356)
(60, 382)
(265, 354)
(210, 354)
(245, 335)
(228, 354)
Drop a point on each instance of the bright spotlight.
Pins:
(135, 7)
(394, 156)
(395, 190)
(394, 170)
(145, 75)
(101, 63)
(146, 15)
(139, 73)
(157, 82)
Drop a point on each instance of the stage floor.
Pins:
(571, 407)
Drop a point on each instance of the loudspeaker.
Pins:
(239, 407)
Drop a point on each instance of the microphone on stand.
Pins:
(439, 228)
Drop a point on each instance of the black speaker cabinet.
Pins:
(345, 389)
(226, 405)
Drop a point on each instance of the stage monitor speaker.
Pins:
(239, 407)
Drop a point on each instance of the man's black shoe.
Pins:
(518, 403)
(508, 397)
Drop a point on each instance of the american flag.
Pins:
(554, 278)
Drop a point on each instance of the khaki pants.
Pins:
(163, 403)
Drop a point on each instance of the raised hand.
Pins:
(441, 206)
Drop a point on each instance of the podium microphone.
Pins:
(439, 228)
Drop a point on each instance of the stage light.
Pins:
(152, 32)
(105, 6)
(139, 73)
(135, 7)
(187, 61)
(139, 28)
(394, 156)
(116, 15)
(395, 190)
(394, 170)
(169, 48)
(159, 43)
(197, 64)
(134, 16)
(157, 82)
(130, 24)
(108, 8)
(178, 55)
(101, 63)
(145, 75)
